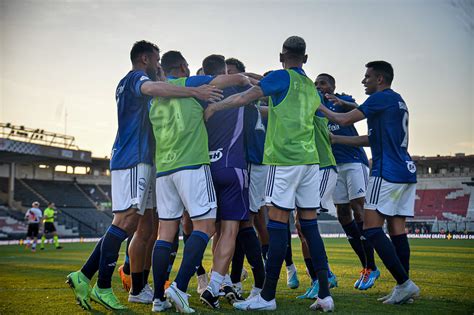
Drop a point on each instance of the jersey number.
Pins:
(405, 130)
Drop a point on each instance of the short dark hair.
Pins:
(237, 63)
(199, 70)
(295, 45)
(213, 64)
(171, 59)
(331, 79)
(383, 68)
(142, 47)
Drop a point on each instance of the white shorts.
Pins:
(327, 184)
(258, 175)
(290, 187)
(133, 188)
(352, 179)
(390, 199)
(192, 190)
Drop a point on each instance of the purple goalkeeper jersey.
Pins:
(226, 136)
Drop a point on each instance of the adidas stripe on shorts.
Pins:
(390, 199)
(352, 179)
(191, 189)
(327, 184)
(290, 187)
(133, 188)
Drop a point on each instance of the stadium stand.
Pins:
(95, 192)
(69, 196)
(435, 202)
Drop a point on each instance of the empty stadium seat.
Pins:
(433, 202)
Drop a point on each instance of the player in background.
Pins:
(352, 179)
(290, 150)
(183, 181)
(327, 184)
(132, 174)
(33, 218)
(392, 184)
(49, 214)
(229, 174)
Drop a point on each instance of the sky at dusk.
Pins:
(68, 56)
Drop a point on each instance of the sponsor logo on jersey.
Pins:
(215, 156)
(120, 89)
(411, 166)
(333, 127)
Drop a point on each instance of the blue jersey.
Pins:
(345, 153)
(276, 84)
(387, 121)
(134, 142)
(226, 136)
(255, 127)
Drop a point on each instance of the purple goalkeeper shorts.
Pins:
(232, 192)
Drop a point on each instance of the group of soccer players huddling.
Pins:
(216, 151)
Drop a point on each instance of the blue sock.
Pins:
(251, 246)
(310, 231)
(368, 249)
(354, 237)
(309, 266)
(92, 264)
(387, 253)
(289, 252)
(192, 257)
(109, 254)
(402, 247)
(200, 270)
(173, 253)
(265, 252)
(160, 262)
(278, 232)
(237, 261)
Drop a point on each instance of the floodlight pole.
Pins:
(11, 184)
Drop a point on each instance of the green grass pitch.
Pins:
(33, 283)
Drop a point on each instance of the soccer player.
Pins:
(132, 176)
(49, 228)
(352, 178)
(33, 217)
(229, 174)
(183, 181)
(327, 183)
(392, 183)
(290, 150)
(171, 63)
(254, 138)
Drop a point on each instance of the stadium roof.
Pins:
(27, 145)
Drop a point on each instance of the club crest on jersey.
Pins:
(216, 155)
(142, 184)
(411, 166)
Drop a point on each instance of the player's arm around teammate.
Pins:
(393, 177)
(293, 170)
